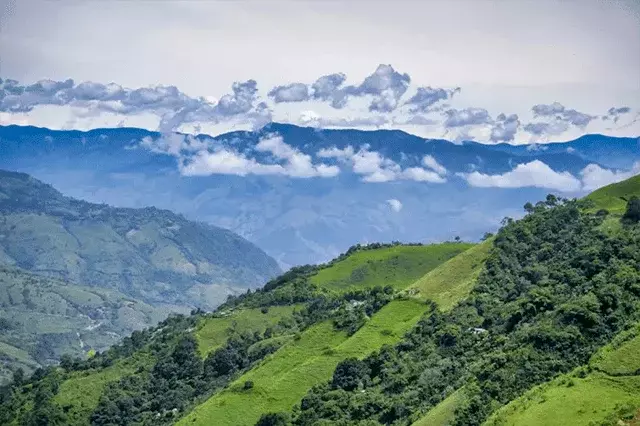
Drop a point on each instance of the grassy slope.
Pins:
(443, 413)
(570, 400)
(80, 393)
(213, 332)
(614, 197)
(453, 280)
(397, 266)
(284, 378)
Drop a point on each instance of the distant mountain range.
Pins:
(306, 220)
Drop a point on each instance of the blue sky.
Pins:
(493, 71)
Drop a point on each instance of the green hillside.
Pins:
(150, 254)
(43, 318)
(606, 391)
(283, 379)
(396, 266)
(614, 197)
(518, 329)
(76, 276)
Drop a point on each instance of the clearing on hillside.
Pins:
(453, 280)
(397, 266)
(285, 377)
(614, 197)
(213, 331)
(579, 398)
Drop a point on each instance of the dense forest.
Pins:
(556, 287)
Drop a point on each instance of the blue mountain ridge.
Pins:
(303, 220)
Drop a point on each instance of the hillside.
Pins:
(606, 391)
(614, 197)
(536, 305)
(43, 318)
(151, 254)
(77, 277)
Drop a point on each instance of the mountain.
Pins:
(151, 254)
(77, 277)
(302, 220)
(537, 324)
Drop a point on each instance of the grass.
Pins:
(614, 197)
(568, 402)
(285, 377)
(452, 281)
(80, 393)
(443, 413)
(397, 266)
(622, 356)
(614, 382)
(214, 331)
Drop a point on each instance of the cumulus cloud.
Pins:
(395, 205)
(431, 163)
(426, 97)
(173, 106)
(533, 174)
(385, 86)
(374, 167)
(466, 117)
(594, 176)
(615, 113)
(558, 119)
(294, 92)
(297, 164)
(205, 156)
(327, 88)
(504, 128)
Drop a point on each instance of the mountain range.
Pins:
(307, 194)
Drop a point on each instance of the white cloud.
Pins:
(430, 162)
(594, 176)
(224, 161)
(374, 167)
(533, 174)
(335, 152)
(297, 164)
(395, 205)
(421, 175)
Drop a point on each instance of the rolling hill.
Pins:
(539, 318)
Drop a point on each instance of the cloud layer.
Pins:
(384, 98)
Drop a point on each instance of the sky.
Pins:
(494, 71)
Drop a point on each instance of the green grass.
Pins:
(214, 331)
(443, 413)
(80, 393)
(397, 266)
(622, 356)
(570, 400)
(614, 197)
(452, 281)
(285, 377)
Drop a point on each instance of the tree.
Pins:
(351, 374)
(632, 215)
(273, 419)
